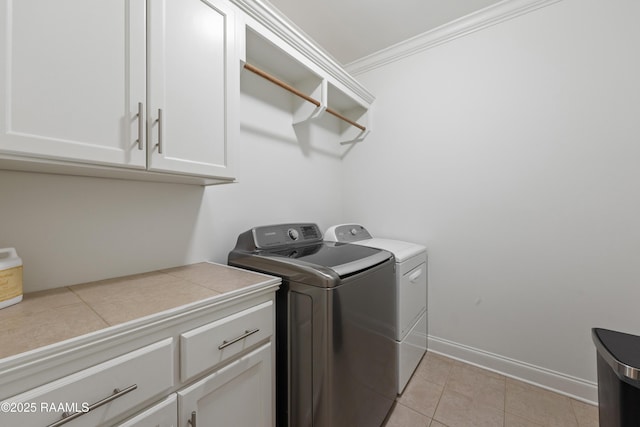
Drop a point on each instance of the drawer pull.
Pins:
(66, 417)
(192, 420)
(235, 340)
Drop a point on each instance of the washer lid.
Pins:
(342, 258)
(297, 252)
(322, 265)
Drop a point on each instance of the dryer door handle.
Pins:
(414, 276)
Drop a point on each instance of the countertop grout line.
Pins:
(158, 272)
(108, 323)
(184, 279)
(89, 306)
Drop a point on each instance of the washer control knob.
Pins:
(353, 231)
(293, 233)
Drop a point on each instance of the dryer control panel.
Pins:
(347, 233)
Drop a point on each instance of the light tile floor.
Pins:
(447, 393)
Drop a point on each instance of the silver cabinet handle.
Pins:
(66, 417)
(159, 121)
(235, 340)
(140, 117)
(192, 420)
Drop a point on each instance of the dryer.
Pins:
(411, 293)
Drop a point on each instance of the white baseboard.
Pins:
(576, 388)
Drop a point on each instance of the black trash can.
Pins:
(618, 378)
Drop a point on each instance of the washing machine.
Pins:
(411, 288)
(335, 325)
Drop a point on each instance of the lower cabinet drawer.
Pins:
(97, 394)
(163, 414)
(208, 345)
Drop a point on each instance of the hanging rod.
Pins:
(295, 91)
(280, 83)
(341, 117)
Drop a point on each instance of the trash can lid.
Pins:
(620, 350)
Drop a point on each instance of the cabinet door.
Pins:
(193, 87)
(72, 73)
(239, 395)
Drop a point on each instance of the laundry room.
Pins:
(504, 139)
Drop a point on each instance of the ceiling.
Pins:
(352, 29)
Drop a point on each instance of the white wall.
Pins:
(72, 230)
(286, 174)
(513, 154)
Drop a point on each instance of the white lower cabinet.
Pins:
(239, 395)
(229, 383)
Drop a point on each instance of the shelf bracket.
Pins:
(361, 137)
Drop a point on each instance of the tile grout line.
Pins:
(504, 412)
(444, 386)
(573, 410)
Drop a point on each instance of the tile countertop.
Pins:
(54, 315)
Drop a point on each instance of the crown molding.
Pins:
(487, 17)
(266, 14)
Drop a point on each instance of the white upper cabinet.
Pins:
(150, 85)
(72, 75)
(193, 86)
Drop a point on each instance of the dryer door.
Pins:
(412, 293)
